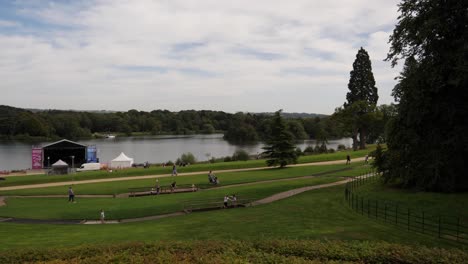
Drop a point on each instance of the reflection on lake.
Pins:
(155, 149)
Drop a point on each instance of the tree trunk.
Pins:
(362, 138)
(355, 142)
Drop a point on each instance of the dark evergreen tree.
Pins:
(362, 91)
(279, 149)
(428, 140)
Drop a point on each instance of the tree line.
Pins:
(16, 123)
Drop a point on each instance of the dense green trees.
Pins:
(359, 110)
(428, 140)
(239, 127)
(279, 149)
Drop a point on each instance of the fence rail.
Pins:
(454, 228)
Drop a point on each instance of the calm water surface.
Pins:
(157, 149)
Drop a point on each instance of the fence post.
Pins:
(368, 208)
(408, 219)
(385, 213)
(349, 198)
(439, 226)
(458, 227)
(376, 209)
(423, 222)
(396, 214)
(362, 206)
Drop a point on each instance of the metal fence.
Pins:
(454, 228)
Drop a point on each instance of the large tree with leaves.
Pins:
(361, 98)
(279, 149)
(428, 140)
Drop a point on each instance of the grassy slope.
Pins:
(433, 203)
(88, 208)
(226, 178)
(36, 179)
(319, 214)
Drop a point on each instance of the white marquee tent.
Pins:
(122, 161)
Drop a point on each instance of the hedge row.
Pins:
(273, 251)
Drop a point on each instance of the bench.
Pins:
(214, 204)
(144, 191)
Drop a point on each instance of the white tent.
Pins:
(122, 161)
(60, 163)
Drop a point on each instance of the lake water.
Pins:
(155, 149)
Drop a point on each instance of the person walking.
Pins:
(102, 217)
(226, 200)
(348, 159)
(158, 187)
(174, 170)
(71, 195)
(366, 159)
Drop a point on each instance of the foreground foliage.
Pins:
(233, 251)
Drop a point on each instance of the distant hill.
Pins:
(295, 115)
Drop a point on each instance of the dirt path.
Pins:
(286, 194)
(53, 184)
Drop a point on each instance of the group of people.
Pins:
(212, 178)
(233, 200)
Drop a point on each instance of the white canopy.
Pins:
(122, 161)
(60, 163)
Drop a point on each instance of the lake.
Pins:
(155, 149)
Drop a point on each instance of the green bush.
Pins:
(187, 158)
(234, 251)
(240, 155)
(309, 150)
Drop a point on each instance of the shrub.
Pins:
(227, 159)
(299, 152)
(240, 155)
(309, 150)
(187, 158)
(341, 147)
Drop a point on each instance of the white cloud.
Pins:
(222, 55)
(8, 24)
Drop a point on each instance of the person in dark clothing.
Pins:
(71, 195)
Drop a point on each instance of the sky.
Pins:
(232, 56)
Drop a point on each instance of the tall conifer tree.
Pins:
(362, 96)
(279, 148)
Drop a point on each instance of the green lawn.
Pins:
(451, 204)
(119, 208)
(318, 214)
(36, 179)
(226, 178)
